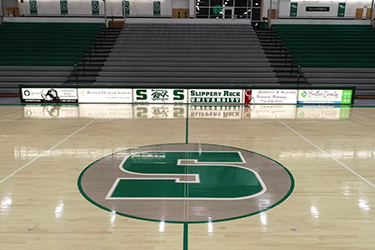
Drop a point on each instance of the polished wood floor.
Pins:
(329, 151)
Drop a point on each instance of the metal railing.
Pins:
(283, 53)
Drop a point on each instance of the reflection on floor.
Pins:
(156, 111)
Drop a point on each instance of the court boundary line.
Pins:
(330, 156)
(36, 158)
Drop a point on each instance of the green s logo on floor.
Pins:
(186, 183)
(186, 175)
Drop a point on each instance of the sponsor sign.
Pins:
(159, 111)
(160, 95)
(270, 96)
(215, 95)
(326, 96)
(49, 95)
(50, 111)
(269, 112)
(110, 95)
(215, 112)
(323, 112)
(317, 8)
(106, 111)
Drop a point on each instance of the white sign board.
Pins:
(49, 95)
(106, 95)
(270, 96)
(159, 95)
(215, 95)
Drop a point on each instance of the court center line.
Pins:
(330, 156)
(48, 150)
(186, 235)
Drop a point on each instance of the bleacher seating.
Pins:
(41, 53)
(333, 54)
(187, 54)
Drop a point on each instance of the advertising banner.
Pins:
(317, 8)
(215, 95)
(326, 96)
(160, 95)
(49, 95)
(110, 95)
(270, 96)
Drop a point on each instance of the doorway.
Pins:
(180, 13)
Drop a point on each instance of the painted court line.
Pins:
(330, 156)
(36, 158)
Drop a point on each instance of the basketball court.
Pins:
(208, 177)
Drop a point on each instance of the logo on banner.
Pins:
(159, 95)
(50, 95)
(248, 96)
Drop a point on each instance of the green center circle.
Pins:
(186, 183)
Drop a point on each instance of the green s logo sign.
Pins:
(141, 94)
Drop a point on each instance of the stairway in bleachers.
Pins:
(41, 53)
(202, 55)
(283, 64)
(333, 55)
(86, 71)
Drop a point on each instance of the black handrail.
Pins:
(75, 73)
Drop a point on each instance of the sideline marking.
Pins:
(330, 156)
(36, 158)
